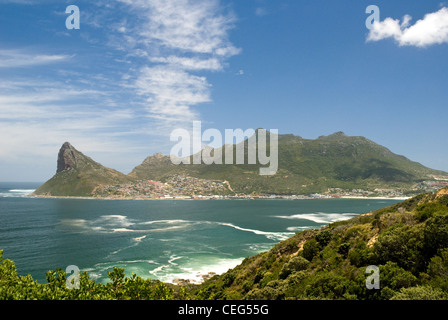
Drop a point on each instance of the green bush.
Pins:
(360, 255)
(295, 264)
(429, 210)
(443, 200)
(228, 278)
(323, 238)
(436, 234)
(266, 293)
(310, 249)
(343, 249)
(420, 293)
(326, 285)
(438, 270)
(403, 245)
(395, 277)
(13, 286)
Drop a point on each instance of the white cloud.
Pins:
(165, 47)
(431, 30)
(211, 64)
(19, 58)
(179, 38)
(171, 91)
(187, 25)
(35, 123)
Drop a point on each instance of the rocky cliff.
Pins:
(78, 175)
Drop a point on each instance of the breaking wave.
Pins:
(320, 217)
(16, 193)
(278, 236)
(120, 223)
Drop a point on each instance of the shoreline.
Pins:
(376, 198)
(213, 198)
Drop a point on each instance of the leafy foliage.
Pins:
(410, 251)
(15, 287)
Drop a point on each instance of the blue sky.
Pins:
(138, 69)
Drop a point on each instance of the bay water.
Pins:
(157, 239)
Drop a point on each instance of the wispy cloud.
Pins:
(185, 63)
(179, 39)
(151, 78)
(20, 58)
(36, 116)
(261, 12)
(431, 30)
(197, 26)
(171, 91)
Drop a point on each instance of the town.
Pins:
(181, 187)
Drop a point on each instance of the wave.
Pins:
(22, 190)
(167, 268)
(320, 217)
(74, 222)
(16, 193)
(139, 239)
(139, 267)
(114, 220)
(122, 224)
(300, 228)
(172, 264)
(194, 269)
(270, 235)
(172, 221)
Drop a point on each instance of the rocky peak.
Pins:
(157, 158)
(338, 134)
(66, 157)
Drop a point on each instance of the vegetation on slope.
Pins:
(407, 241)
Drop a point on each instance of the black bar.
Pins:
(199, 309)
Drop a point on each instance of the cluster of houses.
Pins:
(176, 186)
(185, 187)
(431, 186)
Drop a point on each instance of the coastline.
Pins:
(214, 198)
(376, 198)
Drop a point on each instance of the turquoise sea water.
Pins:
(157, 239)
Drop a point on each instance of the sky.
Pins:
(135, 70)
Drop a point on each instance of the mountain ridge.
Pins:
(305, 166)
(78, 175)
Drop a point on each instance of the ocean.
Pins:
(157, 239)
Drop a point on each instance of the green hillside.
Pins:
(307, 166)
(78, 175)
(304, 166)
(408, 241)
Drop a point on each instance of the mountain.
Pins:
(78, 175)
(406, 243)
(305, 166)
